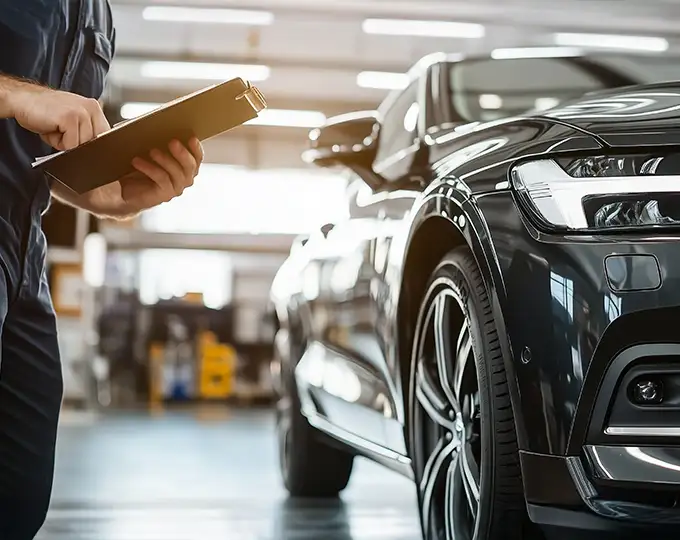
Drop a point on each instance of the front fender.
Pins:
(449, 201)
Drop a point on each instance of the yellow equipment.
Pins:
(156, 362)
(217, 366)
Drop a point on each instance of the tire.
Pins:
(462, 434)
(309, 467)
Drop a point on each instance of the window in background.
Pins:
(168, 273)
(228, 199)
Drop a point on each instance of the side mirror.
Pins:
(348, 139)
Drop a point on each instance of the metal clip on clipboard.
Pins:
(254, 97)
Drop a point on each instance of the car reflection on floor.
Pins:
(306, 520)
(207, 476)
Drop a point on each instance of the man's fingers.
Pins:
(196, 149)
(70, 128)
(82, 124)
(186, 159)
(99, 122)
(85, 129)
(53, 139)
(173, 168)
(157, 175)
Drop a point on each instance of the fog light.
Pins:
(647, 392)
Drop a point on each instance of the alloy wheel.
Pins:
(446, 419)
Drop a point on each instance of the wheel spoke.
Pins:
(470, 475)
(449, 499)
(463, 353)
(446, 456)
(432, 474)
(431, 399)
(443, 353)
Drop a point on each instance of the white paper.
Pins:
(43, 159)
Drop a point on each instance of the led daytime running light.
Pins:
(560, 200)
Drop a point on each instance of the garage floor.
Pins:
(205, 475)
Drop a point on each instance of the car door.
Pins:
(348, 317)
(392, 209)
(351, 369)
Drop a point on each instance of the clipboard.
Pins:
(108, 157)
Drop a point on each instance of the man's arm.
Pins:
(61, 119)
(16, 96)
(9, 86)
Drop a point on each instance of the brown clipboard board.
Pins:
(107, 158)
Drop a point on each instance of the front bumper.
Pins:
(587, 451)
(624, 460)
(620, 468)
(566, 494)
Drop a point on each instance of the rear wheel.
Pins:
(462, 430)
(309, 467)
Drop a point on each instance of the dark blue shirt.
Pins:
(67, 45)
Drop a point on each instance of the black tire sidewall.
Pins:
(453, 271)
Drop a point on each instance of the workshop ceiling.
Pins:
(323, 55)
(315, 49)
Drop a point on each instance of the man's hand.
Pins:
(63, 120)
(66, 120)
(156, 180)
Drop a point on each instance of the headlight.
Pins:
(603, 192)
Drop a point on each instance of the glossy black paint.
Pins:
(627, 273)
(641, 115)
(567, 308)
(346, 301)
(482, 157)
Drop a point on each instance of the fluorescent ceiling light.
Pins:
(606, 41)
(268, 117)
(207, 15)
(382, 80)
(441, 29)
(204, 71)
(289, 118)
(535, 52)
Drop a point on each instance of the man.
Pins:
(54, 56)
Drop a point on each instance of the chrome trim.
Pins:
(558, 197)
(394, 460)
(643, 431)
(648, 465)
(578, 474)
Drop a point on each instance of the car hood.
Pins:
(635, 115)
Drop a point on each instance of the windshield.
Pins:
(486, 90)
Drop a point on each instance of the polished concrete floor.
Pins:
(207, 474)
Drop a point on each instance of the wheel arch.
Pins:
(433, 238)
(442, 222)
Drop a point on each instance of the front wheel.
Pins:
(462, 433)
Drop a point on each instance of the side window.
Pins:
(400, 123)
